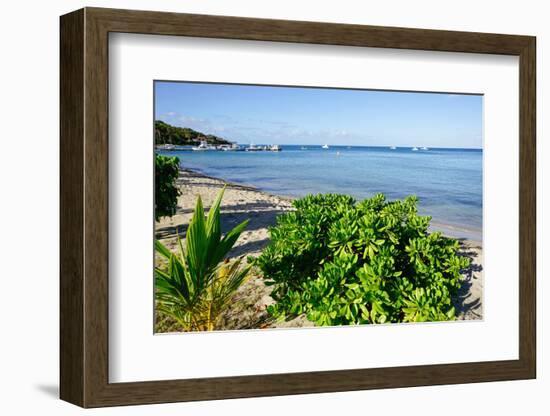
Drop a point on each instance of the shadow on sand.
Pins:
(470, 308)
(260, 215)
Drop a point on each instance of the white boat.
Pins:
(393, 147)
(303, 148)
(253, 148)
(325, 146)
(204, 146)
(424, 148)
(275, 148)
(233, 148)
(165, 147)
(415, 149)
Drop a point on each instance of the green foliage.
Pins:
(166, 190)
(341, 262)
(168, 134)
(198, 282)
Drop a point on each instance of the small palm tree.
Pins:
(198, 282)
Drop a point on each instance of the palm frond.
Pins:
(195, 287)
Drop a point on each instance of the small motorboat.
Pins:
(167, 146)
(233, 148)
(253, 148)
(204, 146)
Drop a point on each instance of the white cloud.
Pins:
(190, 119)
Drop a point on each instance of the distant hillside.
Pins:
(168, 134)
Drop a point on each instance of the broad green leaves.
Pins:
(341, 262)
(166, 191)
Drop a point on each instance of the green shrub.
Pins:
(166, 190)
(198, 283)
(341, 262)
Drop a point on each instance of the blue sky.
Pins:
(286, 115)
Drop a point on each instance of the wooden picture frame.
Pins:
(84, 207)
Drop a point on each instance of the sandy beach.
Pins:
(242, 202)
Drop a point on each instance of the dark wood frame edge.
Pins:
(84, 207)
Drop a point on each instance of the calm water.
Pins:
(448, 182)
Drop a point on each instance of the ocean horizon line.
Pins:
(383, 146)
(389, 146)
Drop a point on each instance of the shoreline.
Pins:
(471, 235)
(242, 201)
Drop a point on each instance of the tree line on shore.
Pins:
(181, 136)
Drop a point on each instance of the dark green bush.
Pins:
(341, 262)
(166, 190)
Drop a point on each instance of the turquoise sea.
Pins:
(448, 182)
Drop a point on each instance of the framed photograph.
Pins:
(255, 207)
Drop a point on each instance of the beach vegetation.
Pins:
(195, 286)
(166, 189)
(340, 262)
